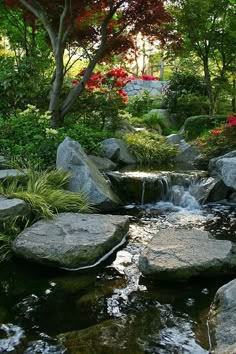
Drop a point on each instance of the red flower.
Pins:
(149, 77)
(216, 132)
(231, 121)
(75, 82)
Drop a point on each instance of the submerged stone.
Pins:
(72, 240)
(177, 255)
(222, 320)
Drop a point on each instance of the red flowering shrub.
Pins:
(149, 77)
(216, 132)
(110, 83)
(220, 140)
(231, 120)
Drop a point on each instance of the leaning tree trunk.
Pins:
(207, 77)
(55, 94)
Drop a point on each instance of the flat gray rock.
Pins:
(71, 240)
(222, 320)
(10, 173)
(10, 208)
(86, 177)
(177, 255)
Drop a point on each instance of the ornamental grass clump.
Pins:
(150, 148)
(44, 192)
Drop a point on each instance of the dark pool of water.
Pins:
(114, 310)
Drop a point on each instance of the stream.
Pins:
(112, 308)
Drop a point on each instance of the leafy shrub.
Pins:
(140, 104)
(197, 125)
(150, 148)
(154, 120)
(186, 96)
(218, 141)
(28, 134)
(22, 83)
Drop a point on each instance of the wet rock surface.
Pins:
(175, 255)
(86, 177)
(222, 320)
(71, 240)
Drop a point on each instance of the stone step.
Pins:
(10, 208)
(10, 173)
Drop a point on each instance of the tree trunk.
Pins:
(207, 77)
(74, 93)
(54, 105)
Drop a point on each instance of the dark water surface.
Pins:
(114, 310)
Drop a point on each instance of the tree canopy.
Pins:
(97, 27)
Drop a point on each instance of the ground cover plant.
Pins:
(150, 148)
(43, 191)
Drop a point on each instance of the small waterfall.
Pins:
(143, 192)
(183, 198)
(186, 190)
(165, 185)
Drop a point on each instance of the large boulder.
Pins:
(177, 255)
(174, 139)
(72, 240)
(224, 167)
(188, 156)
(117, 151)
(102, 163)
(86, 177)
(10, 208)
(222, 320)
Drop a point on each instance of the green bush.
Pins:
(140, 104)
(186, 96)
(28, 81)
(217, 142)
(154, 120)
(28, 134)
(197, 125)
(98, 110)
(150, 149)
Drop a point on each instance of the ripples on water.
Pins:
(117, 311)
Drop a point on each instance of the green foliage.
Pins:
(22, 82)
(197, 125)
(8, 231)
(216, 145)
(43, 191)
(140, 104)
(28, 134)
(154, 120)
(186, 96)
(150, 149)
(99, 110)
